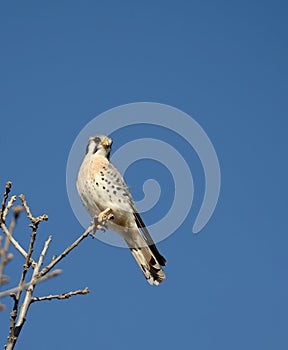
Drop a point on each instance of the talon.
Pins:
(104, 216)
(100, 221)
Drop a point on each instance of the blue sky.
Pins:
(224, 63)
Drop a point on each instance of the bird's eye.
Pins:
(97, 140)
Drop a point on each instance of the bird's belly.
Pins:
(96, 200)
(99, 191)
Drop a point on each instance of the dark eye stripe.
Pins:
(96, 140)
(87, 147)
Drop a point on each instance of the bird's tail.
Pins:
(148, 263)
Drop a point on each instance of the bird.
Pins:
(100, 186)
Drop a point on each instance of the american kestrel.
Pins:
(101, 186)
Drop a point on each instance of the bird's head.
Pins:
(100, 145)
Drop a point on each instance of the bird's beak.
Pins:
(106, 143)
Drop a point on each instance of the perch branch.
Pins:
(65, 252)
(37, 276)
(102, 220)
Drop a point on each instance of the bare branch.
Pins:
(34, 220)
(5, 197)
(25, 285)
(4, 259)
(5, 256)
(29, 293)
(19, 312)
(44, 251)
(62, 296)
(66, 252)
(8, 206)
(13, 241)
(103, 217)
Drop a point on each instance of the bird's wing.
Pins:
(139, 221)
(142, 227)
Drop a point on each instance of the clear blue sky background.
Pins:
(224, 63)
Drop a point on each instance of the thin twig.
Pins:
(65, 252)
(25, 285)
(8, 206)
(34, 220)
(4, 250)
(44, 251)
(61, 296)
(29, 293)
(5, 197)
(103, 217)
(5, 256)
(27, 262)
(13, 241)
(4, 259)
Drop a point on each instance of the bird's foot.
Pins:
(101, 220)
